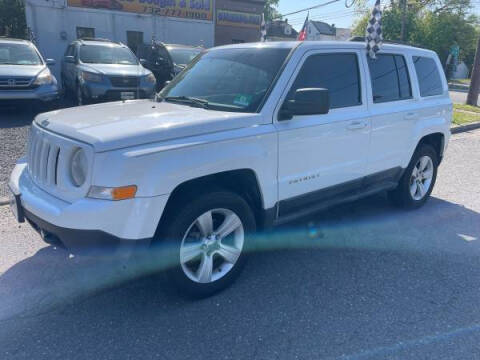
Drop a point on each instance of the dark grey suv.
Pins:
(103, 70)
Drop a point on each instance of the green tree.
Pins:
(270, 10)
(12, 18)
(431, 29)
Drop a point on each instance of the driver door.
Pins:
(324, 156)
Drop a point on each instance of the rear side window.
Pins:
(336, 72)
(390, 79)
(428, 76)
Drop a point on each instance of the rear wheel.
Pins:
(209, 237)
(418, 180)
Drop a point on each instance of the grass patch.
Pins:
(462, 118)
(475, 109)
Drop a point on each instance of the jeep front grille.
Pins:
(43, 158)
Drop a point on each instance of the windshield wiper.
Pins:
(188, 99)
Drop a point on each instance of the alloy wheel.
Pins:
(212, 245)
(421, 178)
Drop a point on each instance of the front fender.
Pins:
(158, 168)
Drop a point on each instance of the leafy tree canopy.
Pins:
(12, 18)
(436, 26)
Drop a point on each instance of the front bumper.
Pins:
(87, 223)
(42, 93)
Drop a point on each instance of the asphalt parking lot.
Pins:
(360, 281)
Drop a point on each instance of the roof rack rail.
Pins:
(396, 42)
(97, 39)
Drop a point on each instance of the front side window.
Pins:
(228, 79)
(107, 54)
(390, 80)
(336, 72)
(428, 76)
(183, 56)
(18, 54)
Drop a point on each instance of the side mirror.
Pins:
(50, 62)
(69, 59)
(309, 101)
(143, 62)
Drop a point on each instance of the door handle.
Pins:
(356, 125)
(410, 116)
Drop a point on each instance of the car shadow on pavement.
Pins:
(361, 280)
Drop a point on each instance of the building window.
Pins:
(85, 32)
(134, 39)
(390, 80)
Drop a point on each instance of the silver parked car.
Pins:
(103, 70)
(24, 74)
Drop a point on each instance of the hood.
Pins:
(124, 124)
(20, 70)
(116, 69)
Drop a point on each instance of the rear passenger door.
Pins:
(393, 113)
(324, 156)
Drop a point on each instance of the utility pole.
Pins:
(403, 4)
(472, 98)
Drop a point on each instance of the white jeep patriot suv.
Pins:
(246, 136)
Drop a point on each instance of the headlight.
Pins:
(150, 78)
(89, 76)
(45, 77)
(78, 168)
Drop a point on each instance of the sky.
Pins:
(335, 13)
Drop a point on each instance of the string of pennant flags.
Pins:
(373, 32)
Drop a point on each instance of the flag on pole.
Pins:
(374, 35)
(263, 30)
(302, 36)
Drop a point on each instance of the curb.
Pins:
(464, 128)
(455, 87)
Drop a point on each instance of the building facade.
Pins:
(318, 30)
(281, 30)
(54, 24)
(238, 21)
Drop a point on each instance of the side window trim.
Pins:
(409, 78)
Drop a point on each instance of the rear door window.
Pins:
(389, 77)
(429, 80)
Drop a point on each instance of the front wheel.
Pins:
(418, 180)
(209, 237)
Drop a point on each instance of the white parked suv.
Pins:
(245, 137)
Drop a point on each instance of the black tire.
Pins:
(402, 196)
(181, 217)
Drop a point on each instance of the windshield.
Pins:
(18, 54)
(183, 56)
(229, 79)
(107, 54)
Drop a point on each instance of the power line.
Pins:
(309, 8)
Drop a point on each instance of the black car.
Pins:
(166, 60)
